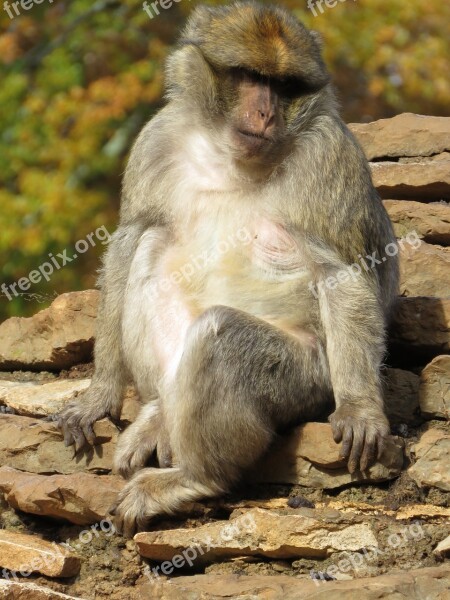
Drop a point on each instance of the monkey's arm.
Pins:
(104, 395)
(353, 323)
(139, 211)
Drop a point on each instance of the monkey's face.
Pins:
(250, 72)
(255, 117)
(259, 112)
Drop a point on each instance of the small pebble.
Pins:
(300, 502)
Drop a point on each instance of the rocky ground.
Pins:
(301, 526)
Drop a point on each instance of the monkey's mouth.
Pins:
(251, 134)
(252, 144)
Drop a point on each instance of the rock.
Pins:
(37, 446)
(14, 590)
(425, 159)
(403, 135)
(81, 498)
(259, 532)
(443, 548)
(422, 180)
(434, 390)
(40, 400)
(45, 399)
(430, 221)
(424, 270)
(421, 326)
(55, 338)
(29, 554)
(402, 397)
(309, 456)
(431, 468)
(431, 583)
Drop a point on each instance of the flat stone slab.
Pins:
(430, 221)
(431, 583)
(406, 134)
(40, 400)
(37, 446)
(432, 467)
(15, 590)
(434, 388)
(55, 338)
(425, 181)
(26, 554)
(81, 498)
(309, 456)
(260, 532)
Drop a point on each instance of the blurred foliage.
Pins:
(80, 78)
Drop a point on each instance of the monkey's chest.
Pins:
(259, 268)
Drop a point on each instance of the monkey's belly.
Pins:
(173, 314)
(268, 278)
(265, 277)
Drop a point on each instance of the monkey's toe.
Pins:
(132, 511)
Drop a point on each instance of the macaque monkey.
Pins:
(247, 286)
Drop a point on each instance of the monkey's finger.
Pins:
(357, 447)
(66, 430)
(369, 453)
(381, 443)
(68, 437)
(337, 434)
(89, 433)
(347, 441)
(336, 428)
(128, 526)
(118, 523)
(80, 440)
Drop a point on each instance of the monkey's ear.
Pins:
(317, 37)
(188, 74)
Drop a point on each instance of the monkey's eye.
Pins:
(289, 87)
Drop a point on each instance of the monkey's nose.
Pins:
(266, 120)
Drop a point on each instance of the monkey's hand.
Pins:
(363, 429)
(76, 420)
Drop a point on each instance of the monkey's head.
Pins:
(250, 73)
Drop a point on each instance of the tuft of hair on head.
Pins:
(266, 39)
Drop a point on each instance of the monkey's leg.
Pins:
(239, 381)
(104, 396)
(138, 442)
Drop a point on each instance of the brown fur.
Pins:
(240, 349)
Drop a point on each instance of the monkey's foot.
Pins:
(153, 492)
(363, 431)
(138, 442)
